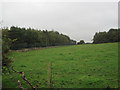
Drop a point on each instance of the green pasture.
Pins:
(75, 66)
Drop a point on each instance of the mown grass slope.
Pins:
(77, 66)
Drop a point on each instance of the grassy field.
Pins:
(77, 66)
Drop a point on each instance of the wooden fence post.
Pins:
(49, 75)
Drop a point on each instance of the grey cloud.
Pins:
(76, 19)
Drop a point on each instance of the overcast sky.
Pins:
(78, 20)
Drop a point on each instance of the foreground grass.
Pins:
(78, 66)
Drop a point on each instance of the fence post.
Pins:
(49, 75)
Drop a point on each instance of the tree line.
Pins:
(28, 38)
(113, 35)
